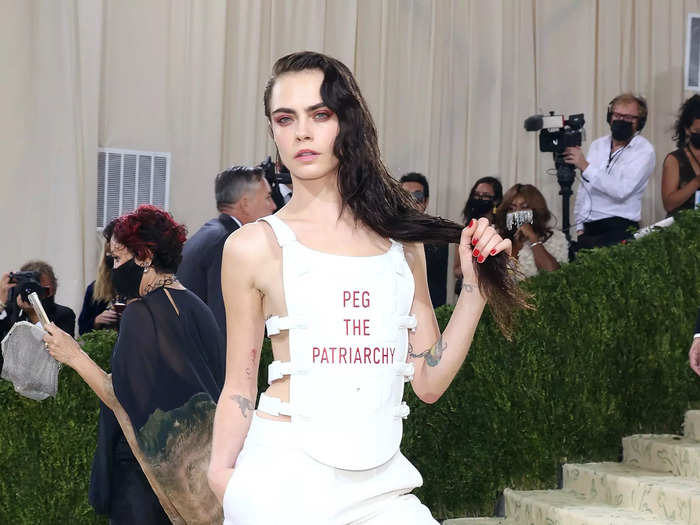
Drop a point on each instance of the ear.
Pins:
(146, 261)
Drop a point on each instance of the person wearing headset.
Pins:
(614, 175)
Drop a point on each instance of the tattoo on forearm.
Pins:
(469, 288)
(245, 404)
(432, 355)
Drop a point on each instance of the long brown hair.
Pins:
(535, 201)
(103, 290)
(374, 197)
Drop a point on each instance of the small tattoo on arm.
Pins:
(244, 404)
(432, 355)
(469, 288)
(249, 369)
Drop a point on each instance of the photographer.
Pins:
(242, 196)
(14, 302)
(614, 175)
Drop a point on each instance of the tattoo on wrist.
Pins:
(244, 404)
(432, 355)
(469, 288)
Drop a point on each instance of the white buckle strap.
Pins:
(401, 410)
(274, 406)
(408, 321)
(278, 369)
(275, 324)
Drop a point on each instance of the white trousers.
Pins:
(274, 482)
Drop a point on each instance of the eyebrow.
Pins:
(291, 111)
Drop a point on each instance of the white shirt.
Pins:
(286, 192)
(613, 186)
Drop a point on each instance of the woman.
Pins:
(681, 172)
(485, 196)
(167, 370)
(337, 290)
(97, 312)
(538, 246)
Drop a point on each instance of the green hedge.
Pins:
(603, 355)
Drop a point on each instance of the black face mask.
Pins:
(479, 207)
(127, 279)
(621, 130)
(695, 140)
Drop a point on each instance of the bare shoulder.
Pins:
(252, 243)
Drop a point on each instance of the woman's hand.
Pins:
(527, 232)
(107, 318)
(62, 347)
(480, 240)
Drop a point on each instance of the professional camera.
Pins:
(273, 176)
(26, 283)
(557, 134)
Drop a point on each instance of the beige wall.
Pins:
(449, 83)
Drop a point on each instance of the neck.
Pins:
(616, 144)
(693, 150)
(158, 280)
(33, 317)
(316, 199)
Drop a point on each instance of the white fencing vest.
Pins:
(348, 320)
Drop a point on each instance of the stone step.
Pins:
(691, 425)
(476, 521)
(563, 507)
(659, 494)
(663, 453)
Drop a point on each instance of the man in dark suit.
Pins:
(242, 196)
(14, 309)
(436, 255)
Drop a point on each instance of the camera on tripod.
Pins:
(557, 133)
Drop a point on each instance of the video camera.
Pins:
(557, 133)
(26, 283)
(274, 177)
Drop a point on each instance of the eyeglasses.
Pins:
(622, 116)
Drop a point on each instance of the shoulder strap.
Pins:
(283, 233)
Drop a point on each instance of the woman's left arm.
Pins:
(438, 357)
(65, 349)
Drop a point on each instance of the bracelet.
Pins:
(533, 244)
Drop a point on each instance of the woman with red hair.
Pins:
(168, 368)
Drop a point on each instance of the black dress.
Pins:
(685, 175)
(91, 309)
(168, 369)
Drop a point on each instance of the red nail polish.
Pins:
(481, 258)
(474, 240)
(493, 252)
(471, 222)
(475, 252)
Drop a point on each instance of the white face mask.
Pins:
(515, 219)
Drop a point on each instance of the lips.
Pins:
(306, 154)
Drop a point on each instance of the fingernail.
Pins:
(493, 252)
(475, 252)
(481, 258)
(470, 223)
(474, 241)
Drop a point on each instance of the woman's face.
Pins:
(484, 191)
(120, 254)
(303, 128)
(694, 127)
(518, 203)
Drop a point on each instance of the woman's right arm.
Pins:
(243, 256)
(671, 195)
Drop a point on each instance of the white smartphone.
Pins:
(39, 309)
